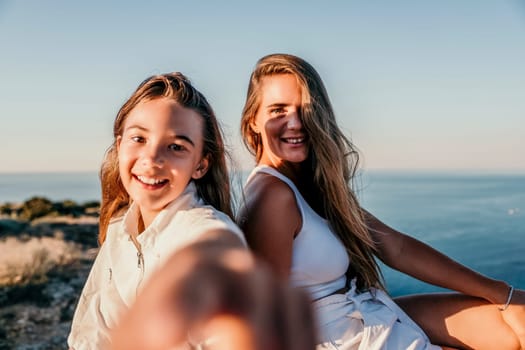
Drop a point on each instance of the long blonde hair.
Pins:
(332, 161)
(213, 187)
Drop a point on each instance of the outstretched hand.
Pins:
(219, 296)
(514, 315)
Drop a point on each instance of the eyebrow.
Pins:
(276, 105)
(185, 138)
(176, 137)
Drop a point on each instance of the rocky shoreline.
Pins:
(36, 313)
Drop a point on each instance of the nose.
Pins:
(294, 121)
(153, 155)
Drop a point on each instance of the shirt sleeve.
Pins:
(97, 308)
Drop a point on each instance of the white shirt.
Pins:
(118, 272)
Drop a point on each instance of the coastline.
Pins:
(477, 219)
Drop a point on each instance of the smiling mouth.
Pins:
(293, 140)
(151, 182)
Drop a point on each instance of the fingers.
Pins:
(252, 303)
(217, 294)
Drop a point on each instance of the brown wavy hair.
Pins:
(213, 187)
(331, 164)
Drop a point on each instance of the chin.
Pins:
(296, 158)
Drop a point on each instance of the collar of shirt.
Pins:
(187, 200)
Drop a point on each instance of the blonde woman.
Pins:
(301, 215)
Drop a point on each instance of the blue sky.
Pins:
(416, 84)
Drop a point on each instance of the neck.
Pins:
(145, 219)
(140, 225)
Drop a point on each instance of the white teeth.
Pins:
(149, 181)
(295, 140)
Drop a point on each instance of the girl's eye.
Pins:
(176, 147)
(138, 139)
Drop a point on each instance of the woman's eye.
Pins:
(277, 111)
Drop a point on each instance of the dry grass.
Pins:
(28, 261)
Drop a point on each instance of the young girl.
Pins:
(164, 186)
(302, 216)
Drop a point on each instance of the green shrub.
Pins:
(36, 207)
(5, 209)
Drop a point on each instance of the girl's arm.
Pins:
(213, 293)
(221, 237)
(421, 261)
(89, 328)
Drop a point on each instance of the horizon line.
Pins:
(359, 170)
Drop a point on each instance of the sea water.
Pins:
(80, 186)
(477, 219)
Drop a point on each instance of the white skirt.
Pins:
(369, 320)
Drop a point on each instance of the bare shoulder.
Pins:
(267, 192)
(270, 220)
(269, 204)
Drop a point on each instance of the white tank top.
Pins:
(319, 259)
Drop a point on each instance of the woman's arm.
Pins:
(423, 262)
(270, 220)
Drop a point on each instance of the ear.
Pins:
(201, 169)
(119, 140)
(254, 127)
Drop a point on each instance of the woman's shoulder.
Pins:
(267, 196)
(264, 186)
(269, 209)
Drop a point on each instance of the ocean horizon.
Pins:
(476, 218)
(84, 186)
